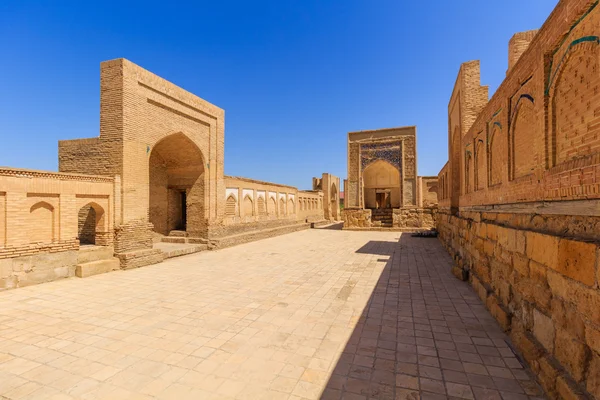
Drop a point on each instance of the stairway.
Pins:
(382, 217)
(94, 260)
(178, 243)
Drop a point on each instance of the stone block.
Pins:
(6, 268)
(538, 273)
(531, 349)
(567, 389)
(543, 330)
(592, 338)
(97, 267)
(499, 312)
(521, 264)
(565, 315)
(492, 232)
(571, 353)
(542, 248)
(593, 378)
(548, 374)
(577, 260)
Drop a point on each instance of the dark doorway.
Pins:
(383, 200)
(183, 226)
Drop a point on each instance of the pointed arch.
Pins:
(231, 206)
(91, 220)
(41, 223)
(575, 102)
(480, 165)
(261, 206)
(281, 207)
(176, 185)
(525, 138)
(248, 206)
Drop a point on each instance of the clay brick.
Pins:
(542, 248)
(571, 353)
(577, 260)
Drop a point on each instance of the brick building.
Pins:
(383, 189)
(520, 196)
(154, 175)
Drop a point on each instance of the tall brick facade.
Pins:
(382, 175)
(520, 196)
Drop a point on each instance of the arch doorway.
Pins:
(381, 182)
(90, 222)
(177, 186)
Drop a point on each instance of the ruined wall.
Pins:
(520, 197)
(40, 223)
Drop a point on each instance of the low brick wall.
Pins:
(541, 287)
(356, 218)
(414, 217)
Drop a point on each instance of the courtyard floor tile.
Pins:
(317, 314)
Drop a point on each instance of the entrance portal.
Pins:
(383, 199)
(177, 186)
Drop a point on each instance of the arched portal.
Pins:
(381, 182)
(177, 186)
(90, 222)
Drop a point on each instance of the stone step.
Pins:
(177, 233)
(182, 240)
(89, 253)
(171, 250)
(97, 267)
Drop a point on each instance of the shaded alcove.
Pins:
(176, 183)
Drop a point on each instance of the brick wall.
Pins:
(520, 195)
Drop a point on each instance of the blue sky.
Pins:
(293, 76)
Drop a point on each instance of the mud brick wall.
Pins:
(542, 288)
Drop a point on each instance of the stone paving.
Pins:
(314, 314)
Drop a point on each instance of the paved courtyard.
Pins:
(314, 314)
